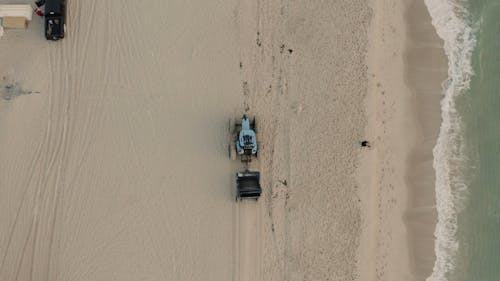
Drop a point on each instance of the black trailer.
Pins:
(248, 185)
(55, 19)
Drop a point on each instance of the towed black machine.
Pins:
(248, 185)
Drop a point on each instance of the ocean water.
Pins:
(467, 153)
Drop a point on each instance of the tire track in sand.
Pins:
(50, 158)
(248, 223)
(248, 244)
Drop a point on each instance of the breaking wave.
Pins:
(451, 20)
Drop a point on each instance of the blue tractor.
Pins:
(243, 139)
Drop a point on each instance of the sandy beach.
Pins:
(113, 142)
(406, 68)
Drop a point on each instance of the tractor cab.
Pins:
(243, 140)
(247, 142)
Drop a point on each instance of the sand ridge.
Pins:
(307, 85)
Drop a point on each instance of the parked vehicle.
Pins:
(55, 18)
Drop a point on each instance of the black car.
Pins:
(55, 18)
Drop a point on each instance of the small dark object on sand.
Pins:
(365, 143)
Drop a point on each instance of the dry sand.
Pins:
(305, 75)
(117, 169)
(113, 142)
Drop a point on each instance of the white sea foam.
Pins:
(450, 19)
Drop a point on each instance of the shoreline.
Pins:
(425, 61)
(406, 68)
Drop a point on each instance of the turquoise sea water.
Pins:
(467, 154)
(481, 215)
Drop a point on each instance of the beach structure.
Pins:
(15, 16)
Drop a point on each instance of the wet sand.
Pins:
(427, 70)
(407, 67)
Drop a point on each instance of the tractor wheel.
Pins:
(237, 124)
(232, 151)
(230, 126)
(252, 125)
(258, 149)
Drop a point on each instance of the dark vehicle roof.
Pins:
(54, 27)
(54, 6)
